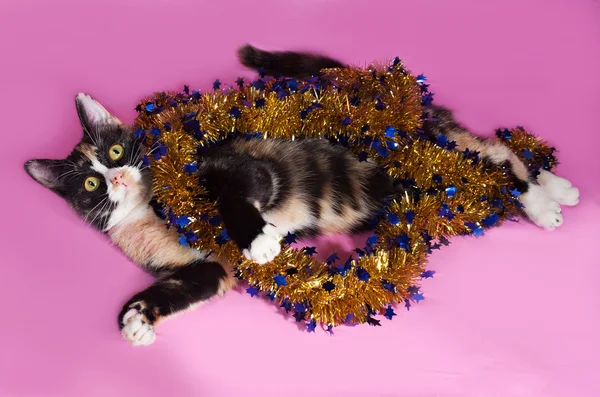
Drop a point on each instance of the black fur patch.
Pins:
(194, 283)
(287, 63)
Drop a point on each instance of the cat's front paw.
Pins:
(541, 208)
(136, 328)
(559, 189)
(265, 247)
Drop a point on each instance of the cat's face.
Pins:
(104, 178)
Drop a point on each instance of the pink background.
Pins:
(513, 314)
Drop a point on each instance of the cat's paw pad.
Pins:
(559, 189)
(541, 209)
(265, 247)
(136, 328)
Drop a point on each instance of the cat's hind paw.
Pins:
(541, 208)
(136, 328)
(559, 189)
(265, 247)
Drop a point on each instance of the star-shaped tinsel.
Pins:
(252, 291)
(389, 312)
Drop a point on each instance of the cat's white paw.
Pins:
(559, 189)
(541, 208)
(265, 247)
(136, 329)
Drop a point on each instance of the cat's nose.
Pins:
(117, 179)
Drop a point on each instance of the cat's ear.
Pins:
(92, 115)
(47, 172)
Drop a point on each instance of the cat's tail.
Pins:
(286, 63)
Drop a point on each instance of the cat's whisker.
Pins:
(103, 201)
(106, 202)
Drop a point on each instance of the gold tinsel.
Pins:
(353, 106)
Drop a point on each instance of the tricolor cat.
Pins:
(264, 188)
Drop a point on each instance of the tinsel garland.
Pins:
(375, 112)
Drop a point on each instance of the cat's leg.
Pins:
(183, 289)
(258, 240)
(539, 205)
(559, 189)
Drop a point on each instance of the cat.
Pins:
(542, 194)
(265, 189)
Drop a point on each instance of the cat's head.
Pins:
(104, 178)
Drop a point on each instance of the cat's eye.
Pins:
(91, 183)
(116, 152)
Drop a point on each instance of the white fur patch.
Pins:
(128, 197)
(541, 208)
(265, 247)
(559, 189)
(136, 330)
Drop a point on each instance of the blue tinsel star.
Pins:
(332, 258)
(258, 84)
(527, 154)
(259, 103)
(310, 327)
(328, 286)
(280, 280)
(478, 232)
(421, 78)
(154, 131)
(450, 191)
(515, 192)
(252, 291)
(360, 252)
(346, 121)
(159, 151)
(215, 220)
(373, 322)
(271, 296)
(390, 131)
(442, 140)
(389, 286)
(417, 297)
(286, 305)
(150, 107)
(216, 84)
(183, 241)
(413, 289)
(437, 178)
(290, 238)
(235, 112)
(372, 240)
(490, 220)
(139, 133)
(407, 304)
(363, 156)
(168, 126)
(402, 241)
(222, 238)
(392, 218)
(190, 168)
(410, 216)
(191, 237)
(183, 221)
(428, 274)
(240, 82)
(389, 312)
(362, 274)
(310, 251)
